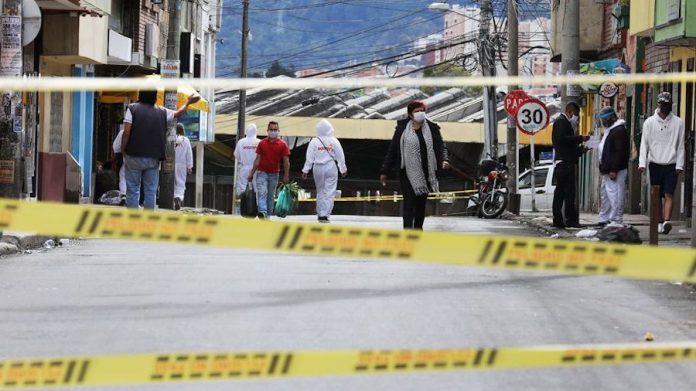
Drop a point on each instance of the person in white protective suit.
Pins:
(325, 158)
(183, 167)
(122, 171)
(245, 153)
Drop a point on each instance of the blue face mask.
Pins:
(273, 133)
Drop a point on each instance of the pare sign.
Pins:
(514, 100)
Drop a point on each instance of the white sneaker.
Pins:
(666, 227)
(659, 228)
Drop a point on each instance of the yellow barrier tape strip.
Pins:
(178, 367)
(72, 84)
(386, 198)
(516, 253)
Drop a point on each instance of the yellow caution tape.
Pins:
(516, 253)
(178, 367)
(452, 195)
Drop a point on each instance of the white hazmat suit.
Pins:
(245, 153)
(184, 162)
(324, 153)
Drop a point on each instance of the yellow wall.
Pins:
(683, 54)
(642, 16)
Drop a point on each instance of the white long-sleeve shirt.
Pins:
(184, 153)
(117, 142)
(662, 141)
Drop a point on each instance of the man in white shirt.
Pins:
(662, 152)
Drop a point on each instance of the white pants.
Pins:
(612, 195)
(325, 179)
(242, 174)
(122, 179)
(181, 171)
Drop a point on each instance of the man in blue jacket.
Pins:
(614, 152)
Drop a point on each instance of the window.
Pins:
(673, 10)
(539, 178)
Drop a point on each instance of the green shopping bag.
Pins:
(285, 203)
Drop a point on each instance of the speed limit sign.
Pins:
(532, 116)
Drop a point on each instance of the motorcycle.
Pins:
(492, 196)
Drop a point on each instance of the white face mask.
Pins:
(273, 133)
(419, 116)
(574, 120)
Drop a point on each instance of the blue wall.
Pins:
(82, 130)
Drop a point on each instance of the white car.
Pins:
(544, 186)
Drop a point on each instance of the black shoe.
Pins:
(576, 225)
(177, 203)
(603, 223)
(559, 225)
(323, 219)
(261, 216)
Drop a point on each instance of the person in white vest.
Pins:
(325, 158)
(245, 153)
(184, 165)
(122, 171)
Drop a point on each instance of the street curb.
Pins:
(10, 244)
(543, 228)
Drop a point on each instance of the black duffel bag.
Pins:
(247, 203)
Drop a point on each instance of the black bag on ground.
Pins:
(247, 204)
(620, 234)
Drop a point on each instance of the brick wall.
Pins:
(151, 13)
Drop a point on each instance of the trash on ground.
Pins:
(586, 233)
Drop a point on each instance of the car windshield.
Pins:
(539, 178)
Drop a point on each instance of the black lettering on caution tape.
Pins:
(204, 366)
(119, 224)
(543, 256)
(43, 372)
(384, 361)
(347, 241)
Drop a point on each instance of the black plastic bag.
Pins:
(247, 204)
(620, 234)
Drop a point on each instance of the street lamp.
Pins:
(486, 59)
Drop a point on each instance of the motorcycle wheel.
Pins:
(493, 205)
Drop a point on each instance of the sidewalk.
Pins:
(542, 221)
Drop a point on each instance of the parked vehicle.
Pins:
(544, 186)
(492, 197)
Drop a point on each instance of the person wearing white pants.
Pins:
(183, 166)
(245, 153)
(614, 150)
(325, 158)
(122, 172)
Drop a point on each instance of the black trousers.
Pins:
(564, 195)
(413, 206)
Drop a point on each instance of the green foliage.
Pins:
(448, 70)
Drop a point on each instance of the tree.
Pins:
(448, 69)
(277, 69)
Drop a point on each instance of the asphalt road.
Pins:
(111, 297)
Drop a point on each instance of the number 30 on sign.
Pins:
(532, 116)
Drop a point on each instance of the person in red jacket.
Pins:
(269, 153)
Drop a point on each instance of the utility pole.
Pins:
(241, 117)
(11, 167)
(487, 60)
(570, 49)
(512, 65)
(166, 196)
